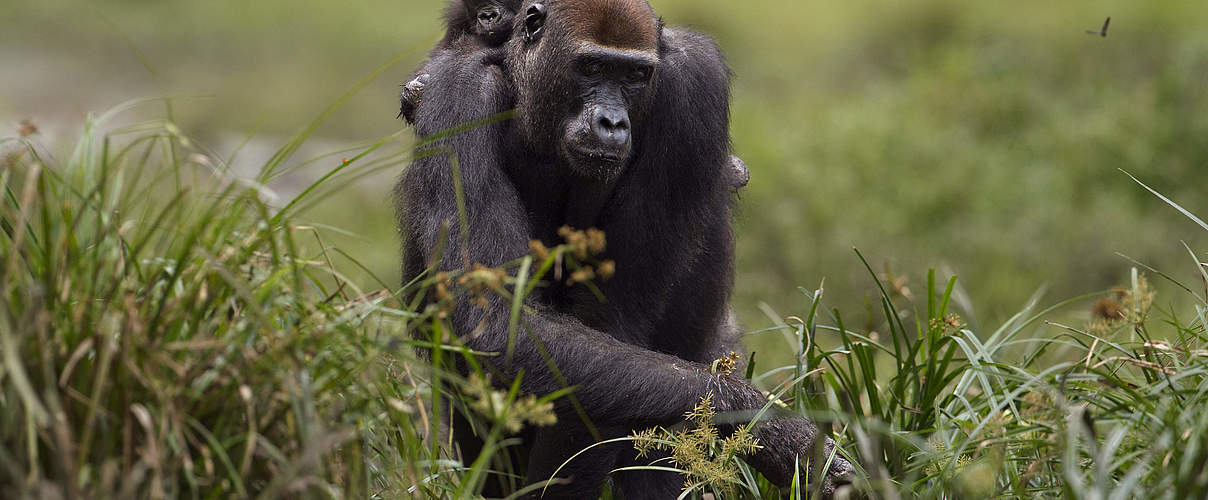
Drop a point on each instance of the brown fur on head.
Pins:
(622, 24)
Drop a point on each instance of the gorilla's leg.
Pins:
(647, 484)
(583, 476)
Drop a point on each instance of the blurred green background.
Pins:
(980, 138)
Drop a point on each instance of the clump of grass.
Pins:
(164, 335)
(1034, 408)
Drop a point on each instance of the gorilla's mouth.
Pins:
(587, 152)
(598, 164)
(592, 156)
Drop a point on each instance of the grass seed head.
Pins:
(493, 404)
(726, 364)
(538, 249)
(1108, 309)
(27, 128)
(606, 270)
(582, 275)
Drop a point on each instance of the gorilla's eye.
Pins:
(593, 68)
(487, 16)
(639, 75)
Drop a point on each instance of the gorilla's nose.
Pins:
(611, 126)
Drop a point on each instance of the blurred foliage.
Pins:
(986, 137)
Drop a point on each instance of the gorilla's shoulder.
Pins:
(686, 50)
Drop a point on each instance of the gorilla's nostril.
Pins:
(612, 123)
(611, 116)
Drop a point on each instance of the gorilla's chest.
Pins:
(552, 202)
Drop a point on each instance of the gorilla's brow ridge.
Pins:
(649, 55)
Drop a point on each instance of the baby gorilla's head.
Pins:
(491, 20)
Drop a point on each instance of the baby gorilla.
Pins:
(490, 22)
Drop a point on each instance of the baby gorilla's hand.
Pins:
(737, 174)
(410, 96)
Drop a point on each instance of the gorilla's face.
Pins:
(587, 77)
(609, 88)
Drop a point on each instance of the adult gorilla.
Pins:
(621, 124)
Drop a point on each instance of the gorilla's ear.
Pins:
(534, 20)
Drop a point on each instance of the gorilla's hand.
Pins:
(737, 175)
(791, 441)
(409, 97)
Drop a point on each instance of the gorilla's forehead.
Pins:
(622, 24)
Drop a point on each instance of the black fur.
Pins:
(640, 359)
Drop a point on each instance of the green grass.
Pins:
(166, 333)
